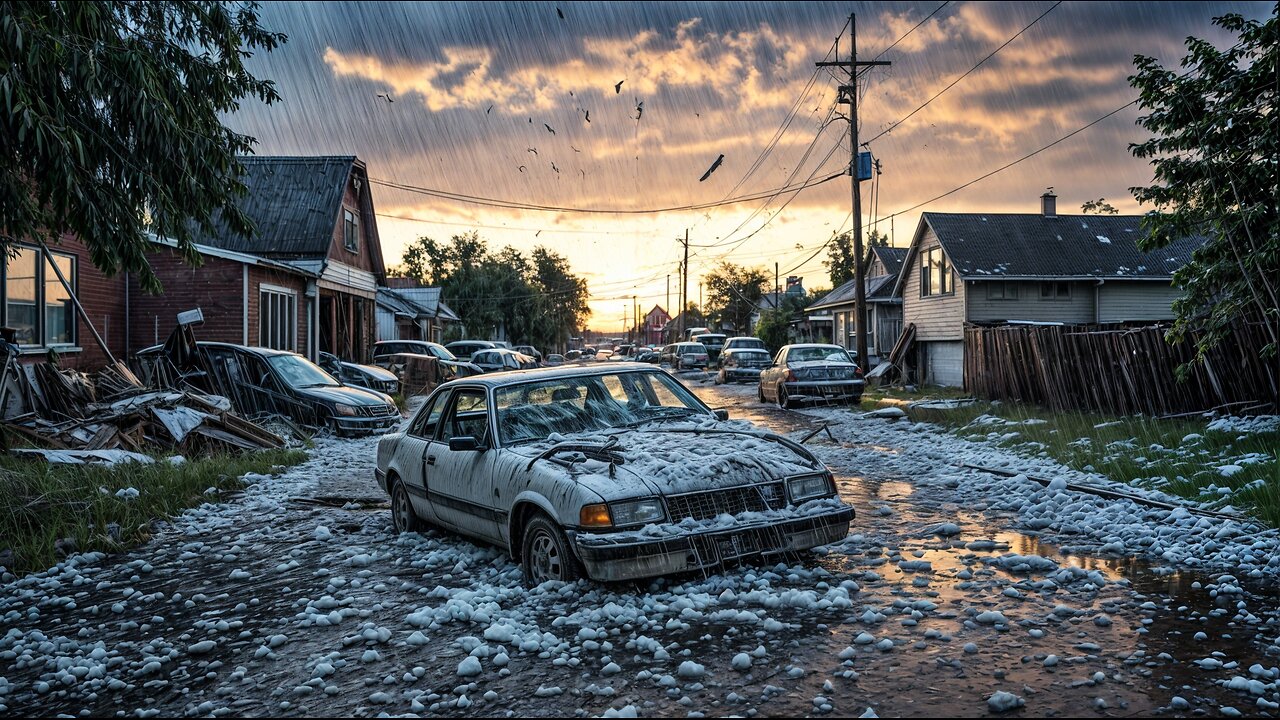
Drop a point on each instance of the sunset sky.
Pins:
(476, 86)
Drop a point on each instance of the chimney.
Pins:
(1049, 204)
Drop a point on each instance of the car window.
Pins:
(819, 354)
(468, 416)
(425, 422)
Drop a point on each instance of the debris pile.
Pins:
(111, 416)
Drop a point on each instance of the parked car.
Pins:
(367, 377)
(802, 372)
(573, 355)
(464, 349)
(384, 352)
(741, 364)
(261, 380)
(649, 356)
(529, 350)
(745, 343)
(640, 480)
(685, 355)
(714, 343)
(555, 360)
(501, 360)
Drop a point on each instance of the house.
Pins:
(407, 311)
(774, 300)
(884, 309)
(40, 310)
(654, 322)
(1028, 268)
(306, 280)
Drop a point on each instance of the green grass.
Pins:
(42, 504)
(1179, 456)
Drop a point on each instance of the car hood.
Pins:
(375, 373)
(679, 458)
(342, 394)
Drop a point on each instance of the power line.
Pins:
(963, 76)
(904, 35)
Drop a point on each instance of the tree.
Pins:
(839, 260)
(734, 292)
(1213, 151)
(1099, 207)
(111, 124)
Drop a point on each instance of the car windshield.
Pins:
(298, 372)
(823, 353)
(586, 403)
(441, 352)
(748, 344)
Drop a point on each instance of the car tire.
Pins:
(545, 553)
(784, 400)
(760, 393)
(403, 517)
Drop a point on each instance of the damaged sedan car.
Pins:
(614, 472)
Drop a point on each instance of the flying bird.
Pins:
(387, 97)
(553, 167)
(486, 112)
(712, 169)
(588, 112)
(532, 150)
(521, 168)
(617, 89)
(639, 110)
(575, 149)
(537, 233)
(548, 127)
(560, 13)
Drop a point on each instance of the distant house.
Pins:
(306, 281)
(774, 300)
(654, 322)
(884, 309)
(410, 312)
(1028, 268)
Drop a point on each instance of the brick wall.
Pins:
(216, 287)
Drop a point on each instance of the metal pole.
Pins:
(859, 281)
(76, 301)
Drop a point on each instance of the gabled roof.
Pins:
(1031, 246)
(416, 302)
(892, 257)
(294, 203)
(879, 288)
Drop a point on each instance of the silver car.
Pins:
(611, 472)
(742, 365)
(811, 371)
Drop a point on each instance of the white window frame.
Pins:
(41, 280)
(270, 337)
(350, 231)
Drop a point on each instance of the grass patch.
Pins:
(47, 511)
(1179, 456)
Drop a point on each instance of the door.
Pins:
(411, 455)
(461, 481)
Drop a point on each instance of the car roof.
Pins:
(815, 345)
(265, 352)
(516, 377)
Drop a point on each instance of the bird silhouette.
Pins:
(560, 13)
(548, 127)
(387, 97)
(532, 150)
(575, 149)
(521, 168)
(639, 110)
(486, 112)
(553, 167)
(588, 112)
(617, 89)
(712, 169)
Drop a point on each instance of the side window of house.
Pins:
(935, 273)
(1002, 291)
(277, 318)
(36, 304)
(350, 231)
(1055, 291)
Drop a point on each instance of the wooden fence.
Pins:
(1124, 371)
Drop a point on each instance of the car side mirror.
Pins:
(464, 443)
(721, 414)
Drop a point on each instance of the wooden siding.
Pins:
(1077, 309)
(1120, 301)
(936, 318)
(351, 200)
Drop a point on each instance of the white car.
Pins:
(612, 472)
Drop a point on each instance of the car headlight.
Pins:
(342, 409)
(637, 512)
(807, 487)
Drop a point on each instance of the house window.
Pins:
(350, 231)
(36, 305)
(1055, 291)
(1002, 291)
(277, 318)
(935, 273)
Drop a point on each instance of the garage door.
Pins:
(945, 364)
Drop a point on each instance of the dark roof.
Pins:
(1067, 246)
(891, 257)
(293, 201)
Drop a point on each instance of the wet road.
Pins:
(298, 600)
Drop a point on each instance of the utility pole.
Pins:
(776, 288)
(684, 286)
(849, 95)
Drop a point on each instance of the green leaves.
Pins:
(1213, 154)
(113, 117)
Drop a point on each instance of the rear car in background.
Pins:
(745, 343)
(714, 343)
(529, 350)
(742, 365)
(366, 377)
(686, 356)
(465, 349)
(811, 372)
(385, 352)
(501, 360)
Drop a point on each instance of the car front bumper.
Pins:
(362, 425)
(622, 556)
(825, 388)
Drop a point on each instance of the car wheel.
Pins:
(403, 516)
(545, 553)
(760, 392)
(784, 400)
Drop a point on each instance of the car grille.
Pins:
(376, 410)
(707, 505)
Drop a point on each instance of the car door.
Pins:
(461, 481)
(770, 375)
(411, 454)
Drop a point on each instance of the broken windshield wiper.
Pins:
(607, 451)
